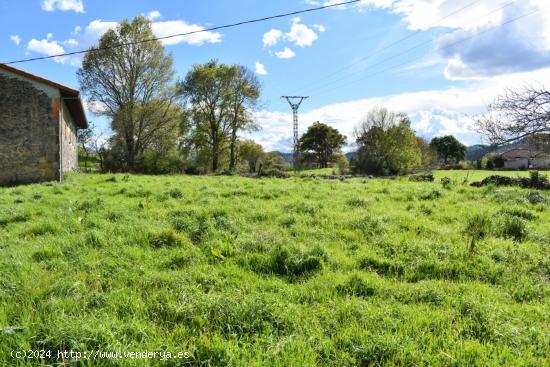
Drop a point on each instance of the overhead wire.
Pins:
(406, 51)
(237, 24)
(395, 67)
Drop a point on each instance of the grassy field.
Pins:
(280, 272)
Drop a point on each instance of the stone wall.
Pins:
(29, 132)
(69, 146)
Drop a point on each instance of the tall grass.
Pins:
(280, 272)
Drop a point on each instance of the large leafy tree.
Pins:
(220, 99)
(386, 143)
(130, 81)
(244, 92)
(323, 141)
(448, 148)
(251, 153)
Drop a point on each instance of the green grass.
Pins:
(279, 272)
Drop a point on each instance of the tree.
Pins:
(323, 141)
(130, 82)
(516, 115)
(220, 97)
(386, 143)
(448, 147)
(252, 153)
(427, 154)
(84, 138)
(244, 93)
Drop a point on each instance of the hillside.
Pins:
(274, 272)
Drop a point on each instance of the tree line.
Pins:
(161, 124)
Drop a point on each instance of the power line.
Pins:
(449, 45)
(339, 70)
(189, 33)
(407, 50)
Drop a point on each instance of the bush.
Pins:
(175, 194)
(431, 195)
(512, 227)
(446, 182)
(423, 177)
(477, 228)
(535, 197)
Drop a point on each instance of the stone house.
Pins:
(523, 158)
(38, 123)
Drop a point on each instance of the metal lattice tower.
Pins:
(295, 102)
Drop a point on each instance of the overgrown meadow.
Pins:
(280, 272)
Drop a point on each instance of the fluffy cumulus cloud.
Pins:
(260, 68)
(166, 28)
(514, 46)
(433, 112)
(47, 47)
(83, 38)
(481, 39)
(15, 39)
(63, 5)
(272, 37)
(152, 15)
(299, 35)
(287, 53)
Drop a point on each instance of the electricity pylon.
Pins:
(295, 102)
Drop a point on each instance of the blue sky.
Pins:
(440, 61)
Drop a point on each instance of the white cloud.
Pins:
(300, 34)
(76, 31)
(48, 48)
(63, 5)
(287, 53)
(319, 27)
(90, 35)
(152, 15)
(162, 29)
(71, 42)
(272, 37)
(433, 112)
(483, 38)
(260, 68)
(16, 39)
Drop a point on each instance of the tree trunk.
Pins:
(232, 150)
(215, 155)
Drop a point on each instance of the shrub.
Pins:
(518, 212)
(175, 194)
(512, 227)
(431, 195)
(535, 197)
(423, 177)
(446, 182)
(477, 227)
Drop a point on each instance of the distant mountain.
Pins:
(287, 156)
(476, 152)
